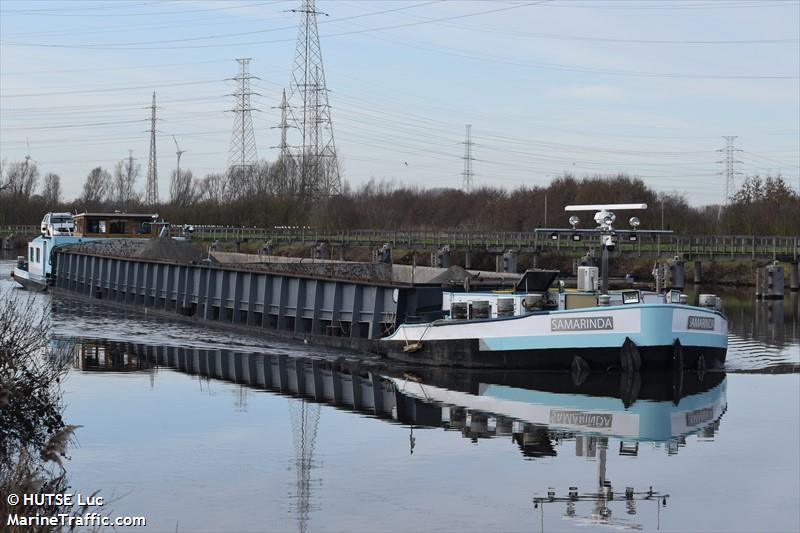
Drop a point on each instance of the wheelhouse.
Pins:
(117, 225)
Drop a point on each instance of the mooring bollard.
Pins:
(676, 274)
(443, 257)
(774, 282)
(510, 261)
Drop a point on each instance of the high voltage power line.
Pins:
(61, 12)
(413, 133)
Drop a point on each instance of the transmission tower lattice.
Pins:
(127, 193)
(151, 192)
(310, 111)
(729, 171)
(283, 146)
(468, 159)
(305, 419)
(285, 160)
(243, 155)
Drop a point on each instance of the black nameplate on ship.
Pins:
(580, 418)
(700, 416)
(700, 322)
(582, 324)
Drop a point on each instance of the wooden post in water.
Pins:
(759, 275)
(698, 272)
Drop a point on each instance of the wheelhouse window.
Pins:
(38, 255)
(93, 226)
(31, 254)
(117, 227)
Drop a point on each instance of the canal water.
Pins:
(202, 429)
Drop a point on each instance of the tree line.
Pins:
(272, 194)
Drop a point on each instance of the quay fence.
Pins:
(711, 246)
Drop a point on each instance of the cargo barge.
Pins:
(447, 317)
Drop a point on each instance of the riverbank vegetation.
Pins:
(761, 206)
(33, 434)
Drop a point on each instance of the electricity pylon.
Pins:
(151, 191)
(311, 112)
(243, 155)
(729, 171)
(468, 159)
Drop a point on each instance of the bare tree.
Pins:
(126, 172)
(3, 184)
(182, 189)
(20, 179)
(238, 182)
(97, 186)
(51, 189)
(214, 188)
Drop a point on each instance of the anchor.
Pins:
(630, 384)
(677, 372)
(580, 370)
(701, 367)
(630, 360)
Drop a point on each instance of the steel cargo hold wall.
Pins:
(294, 304)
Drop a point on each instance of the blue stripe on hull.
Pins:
(655, 418)
(602, 340)
(656, 330)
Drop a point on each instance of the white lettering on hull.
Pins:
(700, 322)
(582, 324)
(581, 418)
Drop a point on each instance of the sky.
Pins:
(645, 87)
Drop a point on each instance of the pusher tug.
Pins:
(591, 328)
(59, 229)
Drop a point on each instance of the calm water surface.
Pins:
(204, 430)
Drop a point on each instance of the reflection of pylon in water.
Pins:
(305, 418)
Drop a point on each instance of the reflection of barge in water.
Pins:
(475, 320)
(535, 409)
(540, 414)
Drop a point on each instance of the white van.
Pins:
(57, 224)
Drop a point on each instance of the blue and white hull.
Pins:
(665, 336)
(28, 280)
